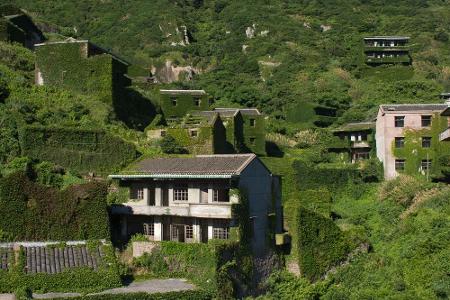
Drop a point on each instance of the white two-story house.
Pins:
(190, 199)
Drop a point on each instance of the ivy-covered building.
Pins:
(445, 135)
(16, 26)
(408, 139)
(83, 67)
(175, 104)
(357, 140)
(196, 133)
(387, 50)
(196, 199)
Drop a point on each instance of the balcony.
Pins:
(389, 60)
(207, 210)
(445, 136)
(386, 48)
(360, 144)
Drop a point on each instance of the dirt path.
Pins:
(147, 286)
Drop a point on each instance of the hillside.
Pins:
(275, 55)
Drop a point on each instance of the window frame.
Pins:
(180, 194)
(252, 140)
(427, 163)
(400, 162)
(221, 233)
(189, 232)
(399, 142)
(400, 119)
(427, 121)
(139, 193)
(252, 122)
(193, 133)
(197, 101)
(426, 141)
(174, 101)
(149, 229)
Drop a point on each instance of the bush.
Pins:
(401, 190)
(182, 295)
(321, 244)
(170, 145)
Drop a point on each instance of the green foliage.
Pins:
(184, 104)
(195, 262)
(181, 295)
(170, 145)
(36, 212)
(77, 149)
(321, 244)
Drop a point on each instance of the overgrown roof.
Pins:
(178, 92)
(244, 111)
(359, 126)
(387, 38)
(200, 166)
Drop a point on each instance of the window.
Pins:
(425, 164)
(426, 121)
(399, 142)
(189, 231)
(197, 102)
(252, 122)
(221, 233)
(174, 101)
(149, 229)
(362, 155)
(399, 121)
(252, 141)
(180, 194)
(220, 196)
(399, 164)
(426, 142)
(163, 133)
(137, 193)
(193, 133)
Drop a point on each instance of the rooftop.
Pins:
(72, 40)
(356, 126)
(387, 38)
(244, 111)
(178, 92)
(413, 107)
(200, 166)
(446, 112)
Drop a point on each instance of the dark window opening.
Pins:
(399, 164)
(194, 133)
(197, 102)
(252, 141)
(399, 121)
(252, 122)
(426, 142)
(399, 142)
(174, 101)
(426, 121)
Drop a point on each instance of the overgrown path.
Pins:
(147, 286)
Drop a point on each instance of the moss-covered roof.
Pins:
(359, 126)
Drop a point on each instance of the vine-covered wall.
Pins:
(413, 152)
(184, 104)
(34, 212)
(67, 65)
(76, 149)
(256, 132)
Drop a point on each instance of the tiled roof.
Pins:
(54, 260)
(219, 164)
(413, 107)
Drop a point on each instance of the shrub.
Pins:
(170, 145)
(321, 244)
(401, 190)
(36, 212)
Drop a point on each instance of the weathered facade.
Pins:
(358, 139)
(407, 138)
(387, 50)
(195, 199)
(81, 66)
(175, 104)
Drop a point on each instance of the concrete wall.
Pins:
(386, 132)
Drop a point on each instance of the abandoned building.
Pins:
(16, 26)
(175, 104)
(357, 138)
(387, 50)
(196, 133)
(445, 135)
(81, 66)
(407, 137)
(191, 199)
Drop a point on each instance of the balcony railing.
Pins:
(360, 144)
(207, 210)
(445, 136)
(386, 60)
(386, 48)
